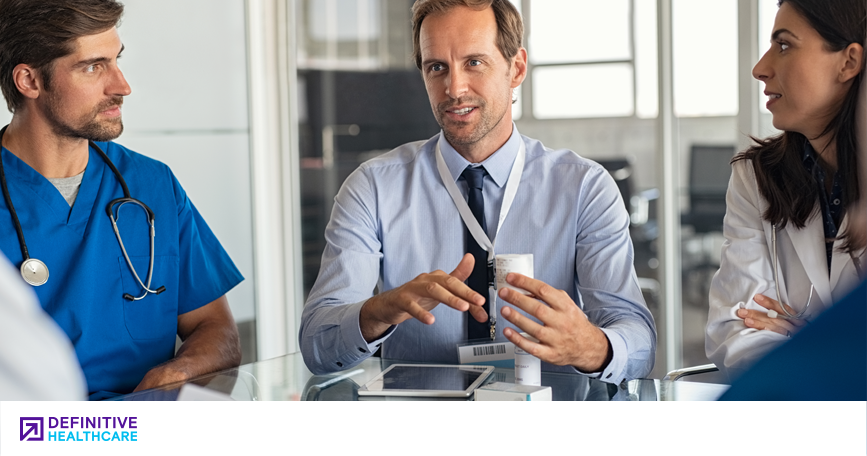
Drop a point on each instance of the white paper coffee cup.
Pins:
(519, 263)
(528, 368)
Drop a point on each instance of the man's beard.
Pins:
(87, 127)
(487, 121)
(480, 130)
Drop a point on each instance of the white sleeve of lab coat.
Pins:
(37, 361)
(745, 270)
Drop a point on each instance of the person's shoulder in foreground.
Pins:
(37, 361)
(826, 361)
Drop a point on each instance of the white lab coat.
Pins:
(37, 361)
(746, 269)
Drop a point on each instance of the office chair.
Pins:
(677, 374)
(642, 229)
(709, 173)
(620, 170)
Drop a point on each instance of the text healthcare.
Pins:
(102, 429)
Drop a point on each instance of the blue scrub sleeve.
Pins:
(206, 271)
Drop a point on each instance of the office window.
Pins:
(569, 31)
(340, 34)
(581, 58)
(767, 14)
(517, 106)
(344, 20)
(646, 68)
(705, 53)
(599, 90)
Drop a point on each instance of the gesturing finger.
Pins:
(533, 348)
(464, 268)
(418, 312)
(529, 305)
(540, 290)
(436, 292)
(459, 289)
(454, 282)
(479, 313)
(523, 323)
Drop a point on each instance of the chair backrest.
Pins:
(709, 173)
(621, 170)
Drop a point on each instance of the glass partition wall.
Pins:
(360, 95)
(593, 86)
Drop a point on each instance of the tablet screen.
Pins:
(429, 378)
(409, 379)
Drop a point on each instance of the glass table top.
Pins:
(286, 378)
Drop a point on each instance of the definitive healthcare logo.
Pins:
(31, 428)
(79, 429)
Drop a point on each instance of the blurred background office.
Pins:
(263, 107)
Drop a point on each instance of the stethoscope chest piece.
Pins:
(34, 272)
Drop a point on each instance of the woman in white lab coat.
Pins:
(797, 187)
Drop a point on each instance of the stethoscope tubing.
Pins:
(855, 261)
(119, 202)
(777, 281)
(146, 288)
(6, 196)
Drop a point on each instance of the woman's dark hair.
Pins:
(791, 191)
(38, 32)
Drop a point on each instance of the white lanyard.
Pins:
(467, 215)
(470, 220)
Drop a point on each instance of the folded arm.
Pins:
(744, 273)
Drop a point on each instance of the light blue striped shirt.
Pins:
(393, 220)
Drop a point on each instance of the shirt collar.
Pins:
(498, 165)
(811, 163)
(809, 157)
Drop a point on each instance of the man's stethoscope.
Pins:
(855, 261)
(35, 272)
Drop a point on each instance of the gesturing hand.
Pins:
(779, 323)
(417, 297)
(566, 336)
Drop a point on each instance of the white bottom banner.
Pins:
(377, 428)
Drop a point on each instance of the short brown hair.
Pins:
(38, 32)
(510, 26)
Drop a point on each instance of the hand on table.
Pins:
(566, 336)
(416, 298)
(761, 320)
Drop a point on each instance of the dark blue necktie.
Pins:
(478, 280)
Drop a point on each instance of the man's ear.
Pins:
(519, 61)
(27, 80)
(854, 60)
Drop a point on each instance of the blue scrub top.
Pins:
(116, 341)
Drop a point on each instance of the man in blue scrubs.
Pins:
(59, 75)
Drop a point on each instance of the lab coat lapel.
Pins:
(809, 245)
(839, 263)
(83, 209)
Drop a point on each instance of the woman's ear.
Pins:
(854, 61)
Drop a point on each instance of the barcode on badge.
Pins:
(489, 350)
